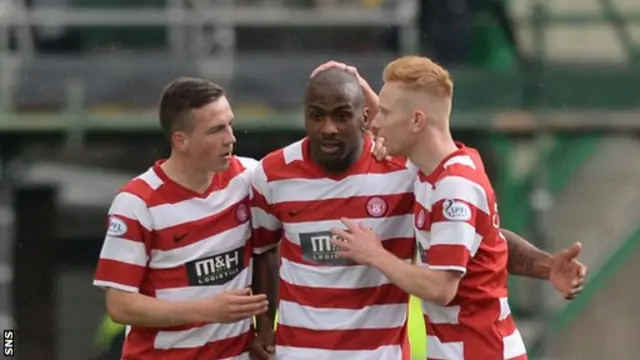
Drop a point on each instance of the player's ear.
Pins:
(419, 120)
(179, 140)
(364, 127)
(367, 124)
(365, 117)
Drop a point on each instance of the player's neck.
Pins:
(186, 174)
(430, 152)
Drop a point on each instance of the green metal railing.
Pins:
(595, 284)
(541, 180)
(610, 14)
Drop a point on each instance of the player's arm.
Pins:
(436, 286)
(267, 231)
(122, 266)
(370, 97)
(265, 281)
(128, 308)
(456, 205)
(563, 269)
(525, 259)
(453, 241)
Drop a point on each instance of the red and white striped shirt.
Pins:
(171, 243)
(458, 228)
(329, 307)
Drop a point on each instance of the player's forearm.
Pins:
(265, 281)
(525, 259)
(421, 282)
(141, 310)
(371, 99)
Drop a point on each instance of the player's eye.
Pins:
(342, 117)
(314, 115)
(215, 129)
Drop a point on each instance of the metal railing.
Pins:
(541, 196)
(223, 16)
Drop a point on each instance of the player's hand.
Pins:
(234, 305)
(348, 68)
(263, 346)
(370, 96)
(567, 274)
(358, 243)
(336, 64)
(379, 150)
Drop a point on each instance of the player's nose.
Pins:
(230, 138)
(329, 126)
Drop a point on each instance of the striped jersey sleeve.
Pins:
(267, 228)
(125, 251)
(457, 203)
(457, 228)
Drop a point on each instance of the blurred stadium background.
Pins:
(549, 91)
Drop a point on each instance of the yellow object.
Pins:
(107, 331)
(417, 330)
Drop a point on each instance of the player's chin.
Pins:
(332, 161)
(334, 155)
(220, 164)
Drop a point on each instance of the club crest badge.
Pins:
(242, 213)
(376, 206)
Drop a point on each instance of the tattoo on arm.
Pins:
(525, 259)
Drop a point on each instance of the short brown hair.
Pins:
(180, 97)
(420, 73)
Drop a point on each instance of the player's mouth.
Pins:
(227, 155)
(331, 147)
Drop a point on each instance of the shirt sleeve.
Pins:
(125, 253)
(267, 228)
(457, 205)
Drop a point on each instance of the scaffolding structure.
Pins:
(197, 26)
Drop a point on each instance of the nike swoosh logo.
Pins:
(293, 213)
(178, 238)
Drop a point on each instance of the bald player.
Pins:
(463, 257)
(330, 308)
